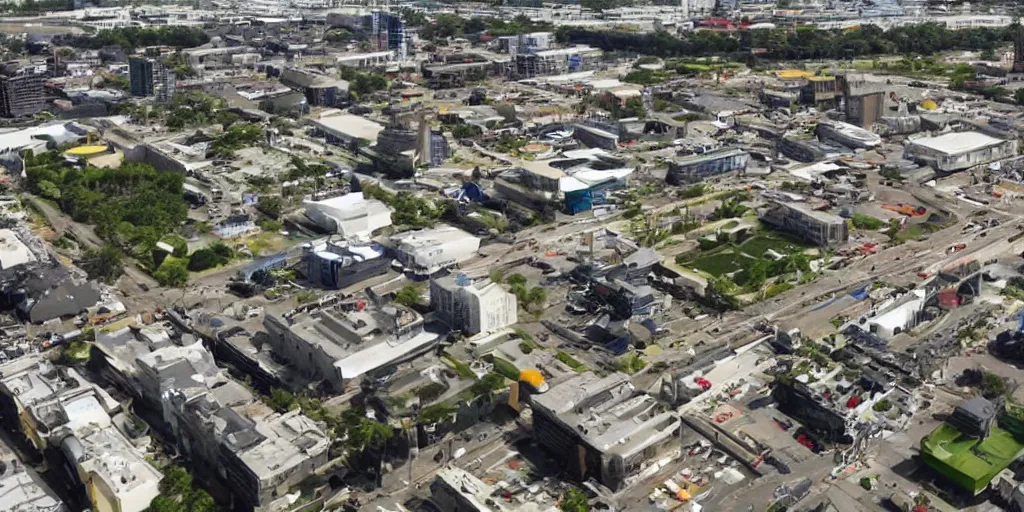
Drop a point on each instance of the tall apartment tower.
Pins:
(389, 33)
(148, 77)
(1018, 49)
(21, 95)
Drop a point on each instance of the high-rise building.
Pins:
(149, 77)
(389, 33)
(21, 95)
(1018, 50)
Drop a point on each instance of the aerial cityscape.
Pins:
(513, 256)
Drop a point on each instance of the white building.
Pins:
(457, 489)
(959, 151)
(365, 60)
(349, 215)
(899, 318)
(63, 411)
(13, 251)
(470, 307)
(428, 251)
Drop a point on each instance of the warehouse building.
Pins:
(847, 134)
(959, 151)
(320, 90)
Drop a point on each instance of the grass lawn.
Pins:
(916, 232)
(719, 263)
(759, 245)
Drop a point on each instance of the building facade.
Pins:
(819, 228)
(694, 168)
(21, 95)
(149, 77)
(429, 251)
(345, 343)
(335, 265)
(959, 151)
(602, 428)
(470, 308)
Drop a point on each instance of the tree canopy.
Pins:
(179, 494)
(105, 264)
(132, 206)
(789, 44)
(130, 38)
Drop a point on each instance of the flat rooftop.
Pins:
(607, 412)
(351, 125)
(959, 142)
(814, 214)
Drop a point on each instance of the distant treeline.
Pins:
(795, 44)
(130, 38)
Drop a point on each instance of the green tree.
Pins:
(235, 137)
(105, 264)
(575, 501)
(1018, 96)
(271, 206)
(635, 108)
(466, 131)
(537, 296)
(281, 400)
(409, 296)
(226, 118)
(49, 190)
(516, 279)
(172, 272)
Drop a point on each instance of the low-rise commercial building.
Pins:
(847, 134)
(214, 420)
(346, 130)
(694, 168)
(973, 445)
(429, 251)
(816, 227)
(457, 490)
(21, 489)
(339, 264)
(472, 307)
(959, 151)
(61, 412)
(603, 428)
(350, 215)
(319, 90)
(343, 344)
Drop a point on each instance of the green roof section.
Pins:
(969, 462)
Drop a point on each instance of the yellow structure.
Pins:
(929, 104)
(87, 151)
(793, 74)
(98, 155)
(532, 377)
